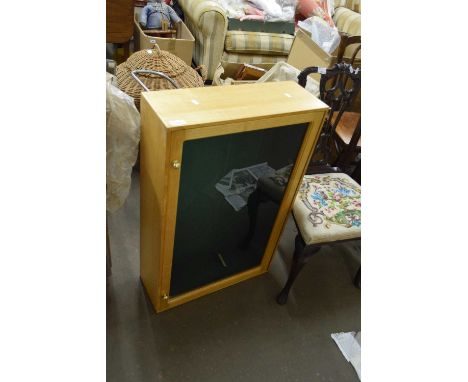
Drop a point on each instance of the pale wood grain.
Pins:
(213, 287)
(218, 111)
(189, 108)
(153, 194)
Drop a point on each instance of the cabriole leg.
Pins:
(302, 253)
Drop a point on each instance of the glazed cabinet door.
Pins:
(213, 178)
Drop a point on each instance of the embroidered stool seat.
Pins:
(328, 208)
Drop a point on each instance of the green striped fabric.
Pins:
(252, 59)
(258, 43)
(347, 21)
(354, 5)
(208, 23)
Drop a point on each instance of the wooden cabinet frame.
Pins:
(171, 117)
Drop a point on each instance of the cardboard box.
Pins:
(305, 52)
(227, 70)
(181, 46)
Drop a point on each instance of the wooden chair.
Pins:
(339, 87)
(327, 207)
(349, 46)
(327, 210)
(348, 50)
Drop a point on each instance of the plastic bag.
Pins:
(282, 71)
(322, 34)
(122, 139)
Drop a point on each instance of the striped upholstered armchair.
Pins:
(214, 43)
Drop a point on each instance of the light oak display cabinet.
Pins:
(202, 152)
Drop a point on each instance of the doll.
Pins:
(155, 14)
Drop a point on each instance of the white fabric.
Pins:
(122, 139)
(282, 71)
(350, 346)
(233, 8)
(288, 11)
(273, 10)
(331, 7)
(270, 7)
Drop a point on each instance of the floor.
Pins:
(239, 333)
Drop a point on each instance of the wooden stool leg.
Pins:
(301, 255)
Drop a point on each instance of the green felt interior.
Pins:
(206, 223)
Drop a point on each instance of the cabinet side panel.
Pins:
(152, 199)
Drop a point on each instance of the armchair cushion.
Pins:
(252, 58)
(208, 23)
(354, 5)
(328, 208)
(274, 44)
(347, 21)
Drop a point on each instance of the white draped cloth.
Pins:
(122, 139)
(272, 10)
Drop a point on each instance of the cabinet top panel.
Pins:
(185, 108)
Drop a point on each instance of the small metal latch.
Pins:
(175, 164)
(165, 297)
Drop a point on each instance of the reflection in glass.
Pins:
(218, 176)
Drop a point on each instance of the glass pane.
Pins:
(217, 177)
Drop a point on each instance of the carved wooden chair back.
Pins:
(339, 86)
(348, 44)
(349, 51)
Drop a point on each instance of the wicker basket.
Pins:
(158, 60)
